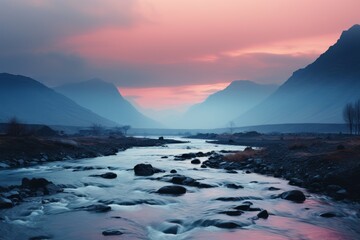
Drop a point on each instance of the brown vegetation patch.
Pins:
(243, 155)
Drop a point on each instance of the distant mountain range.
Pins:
(32, 102)
(104, 99)
(317, 93)
(223, 106)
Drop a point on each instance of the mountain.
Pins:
(104, 99)
(318, 92)
(34, 103)
(223, 106)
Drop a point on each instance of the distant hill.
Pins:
(34, 103)
(104, 99)
(223, 106)
(317, 93)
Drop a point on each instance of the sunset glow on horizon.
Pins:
(162, 98)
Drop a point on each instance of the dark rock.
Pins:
(205, 185)
(233, 185)
(52, 189)
(293, 195)
(273, 189)
(34, 183)
(218, 223)
(232, 213)
(263, 214)
(195, 161)
(98, 208)
(328, 215)
(145, 170)
(173, 189)
(42, 237)
(112, 232)
(173, 171)
(164, 157)
(5, 203)
(296, 182)
(171, 230)
(161, 138)
(247, 171)
(183, 180)
(109, 175)
(243, 207)
(203, 166)
(231, 171)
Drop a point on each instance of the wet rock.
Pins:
(173, 171)
(164, 157)
(219, 223)
(232, 213)
(233, 185)
(98, 208)
(296, 182)
(293, 195)
(195, 161)
(205, 185)
(273, 189)
(40, 186)
(263, 214)
(42, 237)
(173, 189)
(183, 180)
(34, 183)
(5, 203)
(108, 175)
(247, 171)
(244, 206)
(203, 166)
(185, 156)
(112, 232)
(146, 170)
(231, 171)
(171, 230)
(328, 215)
(12, 194)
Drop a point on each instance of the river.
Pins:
(141, 213)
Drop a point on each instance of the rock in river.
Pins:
(173, 189)
(108, 175)
(263, 214)
(145, 170)
(5, 203)
(112, 232)
(293, 195)
(195, 161)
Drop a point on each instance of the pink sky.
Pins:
(157, 50)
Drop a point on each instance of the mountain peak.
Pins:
(352, 33)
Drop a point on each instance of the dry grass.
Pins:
(241, 156)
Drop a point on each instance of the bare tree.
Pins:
(125, 129)
(349, 116)
(231, 127)
(15, 128)
(357, 117)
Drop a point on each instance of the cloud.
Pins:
(33, 24)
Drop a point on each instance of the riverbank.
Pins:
(25, 151)
(327, 164)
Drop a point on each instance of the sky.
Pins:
(165, 54)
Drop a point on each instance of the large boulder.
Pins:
(146, 170)
(173, 189)
(294, 195)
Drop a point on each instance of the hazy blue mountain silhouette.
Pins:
(223, 106)
(32, 102)
(317, 93)
(104, 99)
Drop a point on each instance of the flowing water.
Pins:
(140, 213)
